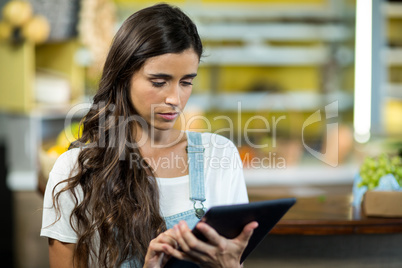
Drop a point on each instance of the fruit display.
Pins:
(20, 24)
(36, 30)
(65, 138)
(49, 154)
(17, 12)
(373, 169)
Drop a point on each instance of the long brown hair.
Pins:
(119, 211)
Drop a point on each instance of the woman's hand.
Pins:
(218, 252)
(160, 249)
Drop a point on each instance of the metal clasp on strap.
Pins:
(200, 211)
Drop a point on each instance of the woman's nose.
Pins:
(173, 95)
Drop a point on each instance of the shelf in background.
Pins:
(331, 10)
(394, 91)
(393, 56)
(301, 175)
(259, 55)
(392, 9)
(292, 101)
(250, 32)
(60, 111)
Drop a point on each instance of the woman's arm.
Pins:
(60, 254)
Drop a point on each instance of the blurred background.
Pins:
(294, 84)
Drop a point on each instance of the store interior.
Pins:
(306, 89)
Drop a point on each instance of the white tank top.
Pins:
(174, 195)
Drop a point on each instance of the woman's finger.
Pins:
(192, 242)
(200, 251)
(193, 256)
(180, 239)
(210, 233)
(184, 253)
(160, 247)
(167, 239)
(247, 232)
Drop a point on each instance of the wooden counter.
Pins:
(329, 212)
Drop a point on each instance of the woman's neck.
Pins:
(156, 138)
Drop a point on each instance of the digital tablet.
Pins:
(230, 220)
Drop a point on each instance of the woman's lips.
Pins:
(168, 116)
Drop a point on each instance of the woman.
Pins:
(133, 186)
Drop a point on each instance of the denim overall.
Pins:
(195, 155)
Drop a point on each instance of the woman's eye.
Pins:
(186, 83)
(158, 84)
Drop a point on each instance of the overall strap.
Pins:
(195, 154)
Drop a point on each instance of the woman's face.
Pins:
(161, 88)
